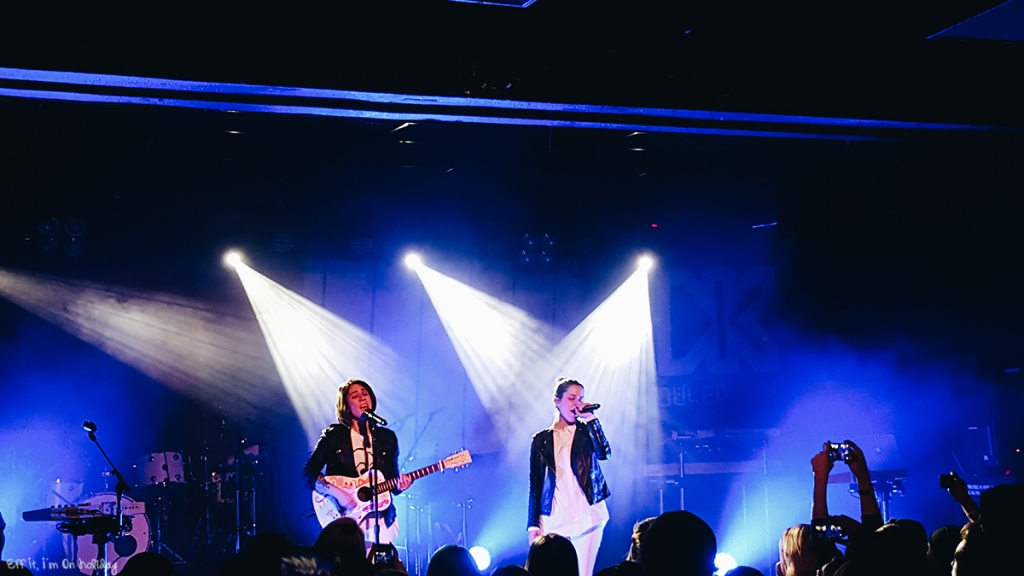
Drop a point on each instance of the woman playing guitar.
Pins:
(350, 449)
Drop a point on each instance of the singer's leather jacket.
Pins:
(334, 450)
(588, 446)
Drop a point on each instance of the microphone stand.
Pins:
(374, 494)
(121, 489)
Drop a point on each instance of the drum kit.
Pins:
(188, 510)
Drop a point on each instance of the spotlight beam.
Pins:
(512, 360)
(315, 351)
(212, 356)
(501, 348)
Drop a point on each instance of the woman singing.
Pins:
(567, 488)
(352, 447)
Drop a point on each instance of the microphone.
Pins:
(369, 415)
(89, 427)
(588, 408)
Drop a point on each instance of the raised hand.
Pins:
(858, 465)
(821, 463)
(959, 489)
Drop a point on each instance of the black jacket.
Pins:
(588, 446)
(334, 450)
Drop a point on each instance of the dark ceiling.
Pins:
(844, 59)
(899, 227)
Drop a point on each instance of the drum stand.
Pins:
(161, 509)
(249, 530)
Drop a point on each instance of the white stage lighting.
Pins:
(210, 354)
(645, 262)
(315, 351)
(413, 260)
(232, 258)
(723, 563)
(481, 556)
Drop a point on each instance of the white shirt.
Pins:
(571, 513)
(363, 457)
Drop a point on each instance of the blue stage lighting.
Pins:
(724, 563)
(481, 556)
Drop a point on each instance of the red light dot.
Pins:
(654, 225)
(1018, 449)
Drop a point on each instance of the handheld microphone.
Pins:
(374, 418)
(588, 408)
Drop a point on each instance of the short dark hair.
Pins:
(452, 560)
(342, 409)
(562, 384)
(679, 542)
(552, 555)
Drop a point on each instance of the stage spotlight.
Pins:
(645, 262)
(282, 243)
(74, 227)
(413, 260)
(232, 258)
(48, 245)
(481, 556)
(724, 563)
(173, 340)
(49, 226)
(313, 350)
(73, 246)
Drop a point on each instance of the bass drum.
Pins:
(88, 553)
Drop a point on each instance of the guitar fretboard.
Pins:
(390, 485)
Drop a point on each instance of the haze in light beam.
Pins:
(214, 357)
(315, 352)
(612, 354)
(501, 348)
(512, 361)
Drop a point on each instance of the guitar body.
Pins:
(358, 490)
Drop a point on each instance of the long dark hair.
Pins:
(342, 410)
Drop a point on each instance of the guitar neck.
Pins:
(390, 485)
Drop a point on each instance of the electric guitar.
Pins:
(358, 490)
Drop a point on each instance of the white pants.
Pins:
(586, 546)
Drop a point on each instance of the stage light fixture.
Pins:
(481, 556)
(645, 262)
(723, 563)
(48, 246)
(282, 243)
(232, 258)
(49, 226)
(361, 247)
(313, 350)
(74, 227)
(74, 246)
(412, 260)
